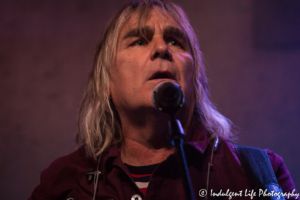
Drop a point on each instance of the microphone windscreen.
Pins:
(167, 97)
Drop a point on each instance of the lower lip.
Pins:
(161, 80)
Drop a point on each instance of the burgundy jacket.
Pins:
(66, 176)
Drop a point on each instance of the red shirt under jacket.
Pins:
(66, 176)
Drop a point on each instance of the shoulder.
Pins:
(64, 172)
(282, 173)
(275, 160)
(68, 167)
(74, 159)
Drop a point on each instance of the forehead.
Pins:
(155, 18)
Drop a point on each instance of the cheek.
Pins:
(119, 72)
(124, 74)
(189, 77)
(117, 77)
(189, 68)
(186, 68)
(186, 74)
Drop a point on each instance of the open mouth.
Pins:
(162, 75)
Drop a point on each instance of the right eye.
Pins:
(139, 42)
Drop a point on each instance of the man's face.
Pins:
(142, 61)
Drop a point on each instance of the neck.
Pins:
(137, 154)
(145, 138)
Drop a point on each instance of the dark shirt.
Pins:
(66, 176)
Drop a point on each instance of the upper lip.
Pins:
(162, 75)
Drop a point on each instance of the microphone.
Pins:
(167, 97)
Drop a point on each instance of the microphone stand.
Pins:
(177, 136)
(168, 97)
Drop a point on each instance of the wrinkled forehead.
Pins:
(139, 19)
(146, 17)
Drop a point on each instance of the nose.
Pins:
(160, 49)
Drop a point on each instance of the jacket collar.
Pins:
(198, 139)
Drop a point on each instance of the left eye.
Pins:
(175, 42)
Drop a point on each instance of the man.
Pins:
(125, 152)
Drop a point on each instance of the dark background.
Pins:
(251, 48)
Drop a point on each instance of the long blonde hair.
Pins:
(99, 125)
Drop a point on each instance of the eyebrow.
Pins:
(174, 31)
(137, 32)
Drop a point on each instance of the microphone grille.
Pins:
(167, 97)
